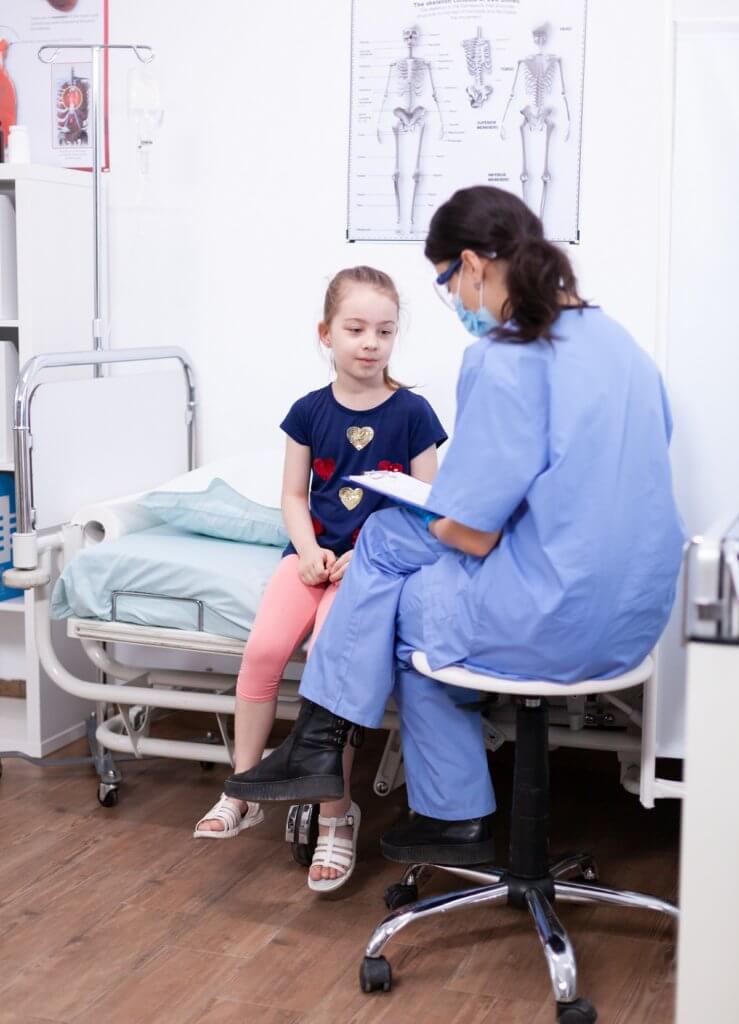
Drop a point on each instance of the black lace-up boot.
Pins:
(306, 766)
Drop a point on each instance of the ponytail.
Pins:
(538, 273)
(489, 220)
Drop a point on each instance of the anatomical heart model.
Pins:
(7, 94)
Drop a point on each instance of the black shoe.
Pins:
(422, 840)
(307, 766)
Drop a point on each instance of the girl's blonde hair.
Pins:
(377, 279)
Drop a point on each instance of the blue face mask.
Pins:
(477, 323)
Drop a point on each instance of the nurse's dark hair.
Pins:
(340, 284)
(490, 220)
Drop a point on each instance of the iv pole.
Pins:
(47, 55)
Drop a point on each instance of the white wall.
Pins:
(229, 250)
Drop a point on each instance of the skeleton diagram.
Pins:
(539, 71)
(479, 61)
(411, 80)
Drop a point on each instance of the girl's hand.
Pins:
(315, 566)
(339, 567)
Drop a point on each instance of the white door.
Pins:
(703, 317)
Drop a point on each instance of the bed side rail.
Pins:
(104, 398)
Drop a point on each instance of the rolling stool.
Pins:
(530, 881)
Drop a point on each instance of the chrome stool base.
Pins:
(500, 886)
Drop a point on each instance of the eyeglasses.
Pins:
(441, 283)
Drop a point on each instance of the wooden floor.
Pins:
(120, 916)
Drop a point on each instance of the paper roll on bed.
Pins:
(112, 520)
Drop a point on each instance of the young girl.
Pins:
(363, 420)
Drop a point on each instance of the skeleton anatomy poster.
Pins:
(451, 93)
(53, 100)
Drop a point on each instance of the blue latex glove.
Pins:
(427, 518)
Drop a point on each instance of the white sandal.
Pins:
(234, 822)
(334, 852)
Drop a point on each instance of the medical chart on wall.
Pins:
(53, 100)
(451, 93)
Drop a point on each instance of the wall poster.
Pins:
(451, 93)
(53, 100)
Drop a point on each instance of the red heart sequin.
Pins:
(318, 527)
(324, 468)
(391, 467)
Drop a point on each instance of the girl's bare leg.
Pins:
(337, 809)
(254, 720)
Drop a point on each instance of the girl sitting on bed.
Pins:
(364, 420)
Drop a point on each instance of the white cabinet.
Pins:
(53, 250)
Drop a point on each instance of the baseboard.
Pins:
(15, 688)
(61, 739)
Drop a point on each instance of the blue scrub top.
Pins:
(564, 447)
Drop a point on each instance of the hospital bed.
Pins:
(140, 622)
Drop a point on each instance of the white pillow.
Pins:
(257, 476)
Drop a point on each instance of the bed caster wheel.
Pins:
(375, 974)
(207, 766)
(301, 831)
(579, 1012)
(107, 795)
(400, 895)
(302, 854)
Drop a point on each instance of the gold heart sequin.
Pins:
(360, 437)
(350, 497)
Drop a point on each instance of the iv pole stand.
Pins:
(47, 55)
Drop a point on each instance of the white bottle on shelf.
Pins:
(19, 145)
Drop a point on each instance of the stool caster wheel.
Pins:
(107, 795)
(375, 974)
(400, 895)
(589, 871)
(579, 1012)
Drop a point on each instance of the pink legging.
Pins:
(288, 610)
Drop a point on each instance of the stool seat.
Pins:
(455, 675)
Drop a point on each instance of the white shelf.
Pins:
(43, 172)
(54, 304)
(12, 723)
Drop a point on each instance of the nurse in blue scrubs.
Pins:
(554, 552)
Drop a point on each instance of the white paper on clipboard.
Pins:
(400, 487)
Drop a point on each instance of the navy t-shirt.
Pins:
(347, 441)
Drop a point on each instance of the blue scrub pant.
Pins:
(362, 656)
